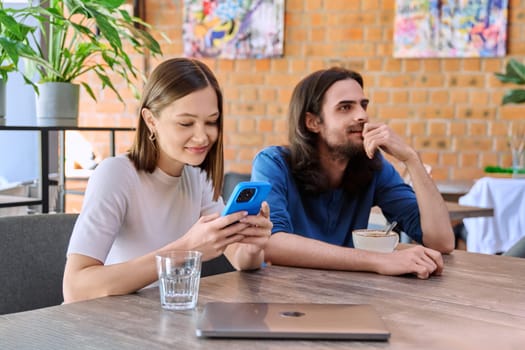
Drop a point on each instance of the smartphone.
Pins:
(248, 196)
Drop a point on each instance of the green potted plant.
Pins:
(77, 37)
(13, 43)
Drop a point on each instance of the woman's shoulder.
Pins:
(118, 167)
(120, 162)
(113, 175)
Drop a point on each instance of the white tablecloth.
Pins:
(496, 234)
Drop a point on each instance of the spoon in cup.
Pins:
(390, 227)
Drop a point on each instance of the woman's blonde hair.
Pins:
(170, 81)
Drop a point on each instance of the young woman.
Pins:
(164, 194)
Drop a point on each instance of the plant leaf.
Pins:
(514, 96)
(109, 4)
(110, 33)
(517, 70)
(108, 83)
(89, 90)
(514, 73)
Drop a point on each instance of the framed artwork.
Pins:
(233, 28)
(450, 28)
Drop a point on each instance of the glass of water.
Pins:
(179, 276)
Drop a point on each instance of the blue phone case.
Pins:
(247, 195)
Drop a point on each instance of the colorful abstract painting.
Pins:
(450, 28)
(233, 28)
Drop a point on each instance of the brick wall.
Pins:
(449, 109)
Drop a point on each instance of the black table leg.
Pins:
(44, 175)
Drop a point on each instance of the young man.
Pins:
(332, 173)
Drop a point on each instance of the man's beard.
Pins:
(346, 151)
(349, 149)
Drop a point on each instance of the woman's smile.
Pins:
(198, 150)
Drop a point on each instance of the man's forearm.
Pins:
(435, 220)
(294, 250)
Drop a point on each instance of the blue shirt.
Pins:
(332, 215)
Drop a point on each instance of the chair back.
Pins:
(32, 260)
(215, 266)
(231, 179)
(517, 250)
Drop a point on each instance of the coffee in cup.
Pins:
(375, 240)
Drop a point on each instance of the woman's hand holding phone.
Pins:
(259, 230)
(248, 253)
(247, 195)
(211, 234)
(245, 219)
(250, 196)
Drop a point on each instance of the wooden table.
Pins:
(456, 212)
(459, 212)
(478, 303)
(451, 190)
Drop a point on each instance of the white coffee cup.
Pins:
(375, 240)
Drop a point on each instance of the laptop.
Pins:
(291, 321)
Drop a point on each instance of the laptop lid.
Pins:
(286, 321)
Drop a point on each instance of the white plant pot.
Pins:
(57, 104)
(2, 100)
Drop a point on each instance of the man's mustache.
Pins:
(356, 128)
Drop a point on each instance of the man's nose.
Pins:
(361, 115)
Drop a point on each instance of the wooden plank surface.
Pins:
(458, 212)
(451, 190)
(478, 303)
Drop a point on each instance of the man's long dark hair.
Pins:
(304, 159)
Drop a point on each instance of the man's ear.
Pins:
(149, 119)
(312, 122)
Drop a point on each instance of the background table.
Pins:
(478, 303)
(498, 233)
(44, 158)
(458, 212)
(451, 190)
